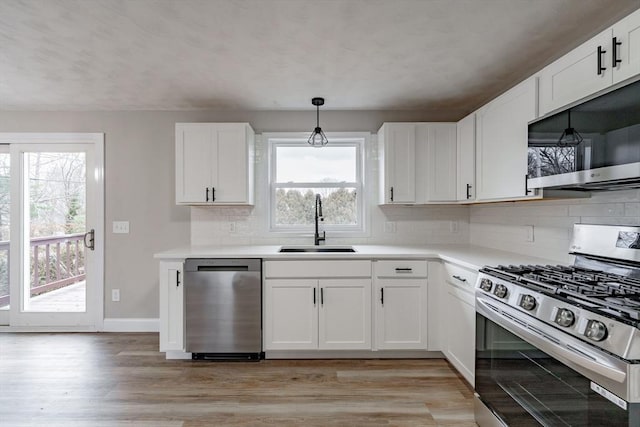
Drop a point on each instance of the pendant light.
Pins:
(570, 137)
(317, 138)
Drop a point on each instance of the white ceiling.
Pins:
(450, 55)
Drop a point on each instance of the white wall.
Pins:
(504, 225)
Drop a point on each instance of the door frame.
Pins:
(97, 176)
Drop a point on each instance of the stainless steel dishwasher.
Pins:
(223, 308)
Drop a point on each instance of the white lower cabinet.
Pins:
(400, 301)
(171, 306)
(319, 312)
(459, 318)
(291, 314)
(310, 314)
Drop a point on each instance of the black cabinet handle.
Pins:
(404, 270)
(601, 52)
(526, 185)
(207, 198)
(321, 296)
(468, 191)
(614, 56)
(213, 194)
(177, 278)
(314, 296)
(382, 296)
(462, 279)
(392, 194)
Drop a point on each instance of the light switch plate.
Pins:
(115, 295)
(390, 227)
(121, 227)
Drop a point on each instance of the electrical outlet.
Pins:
(390, 227)
(453, 227)
(530, 236)
(232, 227)
(121, 227)
(115, 295)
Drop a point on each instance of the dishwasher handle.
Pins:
(223, 264)
(223, 268)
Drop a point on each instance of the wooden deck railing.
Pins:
(62, 265)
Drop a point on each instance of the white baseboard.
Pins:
(131, 325)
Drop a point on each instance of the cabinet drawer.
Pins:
(460, 276)
(317, 268)
(400, 268)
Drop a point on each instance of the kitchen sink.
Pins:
(299, 249)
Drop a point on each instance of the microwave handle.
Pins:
(571, 355)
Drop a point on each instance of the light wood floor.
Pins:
(122, 380)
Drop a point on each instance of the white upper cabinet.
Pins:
(626, 35)
(417, 163)
(466, 158)
(397, 149)
(214, 163)
(441, 162)
(609, 58)
(501, 143)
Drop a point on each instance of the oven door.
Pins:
(523, 385)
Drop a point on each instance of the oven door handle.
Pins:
(570, 354)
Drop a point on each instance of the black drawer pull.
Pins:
(404, 270)
(462, 279)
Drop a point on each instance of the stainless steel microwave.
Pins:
(591, 146)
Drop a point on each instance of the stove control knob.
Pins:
(500, 291)
(565, 317)
(528, 302)
(486, 285)
(596, 331)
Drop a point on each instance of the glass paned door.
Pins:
(56, 194)
(53, 282)
(5, 232)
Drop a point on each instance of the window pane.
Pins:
(311, 164)
(296, 206)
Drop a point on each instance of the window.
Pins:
(299, 171)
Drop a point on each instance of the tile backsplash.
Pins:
(543, 228)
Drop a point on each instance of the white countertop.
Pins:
(465, 255)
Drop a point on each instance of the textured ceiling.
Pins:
(277, 54)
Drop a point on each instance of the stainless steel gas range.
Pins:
(560, 345)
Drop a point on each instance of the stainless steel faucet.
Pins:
(316, 237)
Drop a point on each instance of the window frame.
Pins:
(358, 140)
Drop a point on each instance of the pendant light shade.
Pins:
(570, 137)
(317, 138)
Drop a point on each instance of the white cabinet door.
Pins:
(214, 163)
(501, 143)
(171, 306)
(401, 314)
(397, 145)
(195, 148)
(461, 325)
(466, 158)
(291, 314)
(627, 33)
(233, 180)
(441, 161)
(345, 314)
(576, 75)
